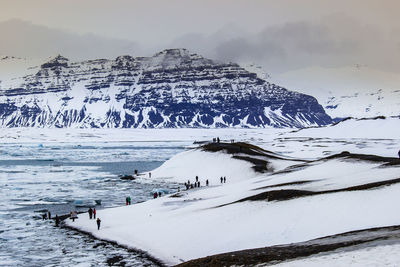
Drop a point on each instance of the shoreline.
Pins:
(141, 253)
(271, 254)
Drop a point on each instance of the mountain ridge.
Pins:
(173, 88)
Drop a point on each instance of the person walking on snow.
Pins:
(222, 179)
(94, 213)
(207, 182)
(98, 223)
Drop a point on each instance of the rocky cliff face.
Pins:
(173, 88)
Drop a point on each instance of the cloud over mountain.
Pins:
(24, 39)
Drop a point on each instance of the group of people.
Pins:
(47, 215)
(189, 185)
(157, 194)
(92, 214)
(216, 140)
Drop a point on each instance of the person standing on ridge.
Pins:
(399, 154)
(222, 179)
(207, 182)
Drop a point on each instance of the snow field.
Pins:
(176, 229)
(384, 255)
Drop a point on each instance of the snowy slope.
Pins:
(378, 128)
(184, 224)
(355, 91)
(384, 255)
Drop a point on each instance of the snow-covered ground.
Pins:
(211, 220)
(384, 255)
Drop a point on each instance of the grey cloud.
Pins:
(29, 40)
(333, 41)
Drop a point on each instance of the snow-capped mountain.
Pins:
(173, 88)
(353, 91)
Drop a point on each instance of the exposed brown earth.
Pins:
(280, 253)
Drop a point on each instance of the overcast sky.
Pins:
(280, 35)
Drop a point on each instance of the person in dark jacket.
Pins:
(399, 154)
(49, 215)
(155, 195)
(57, 220)
(98, 223)
(207, 182)
(222, 179)
(90, 213)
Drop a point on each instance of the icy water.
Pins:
(40, 177)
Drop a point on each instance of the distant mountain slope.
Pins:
(173, 88)
(355, 91)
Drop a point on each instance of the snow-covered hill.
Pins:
(291, 200)
(355, 91)
(173, 88)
